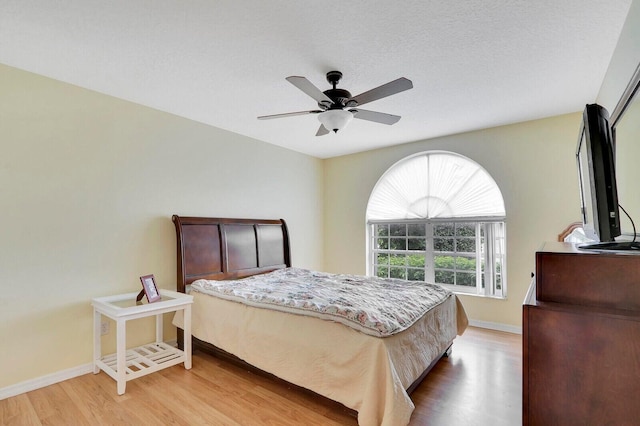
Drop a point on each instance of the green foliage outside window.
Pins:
(454, 252)
(411, 267)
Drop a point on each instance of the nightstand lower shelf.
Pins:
(143, 360)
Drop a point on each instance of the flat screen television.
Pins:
(597, 177)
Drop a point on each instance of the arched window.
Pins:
(439, 217)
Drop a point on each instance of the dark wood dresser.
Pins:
(581, 338)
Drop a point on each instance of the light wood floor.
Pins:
(480, 384)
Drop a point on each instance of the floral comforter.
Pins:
(375, 306)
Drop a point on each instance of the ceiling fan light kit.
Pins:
(335, 119)
(332, 102)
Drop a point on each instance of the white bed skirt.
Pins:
(365, 373)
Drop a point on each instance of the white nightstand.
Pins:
(128, 364)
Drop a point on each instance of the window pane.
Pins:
(465, 263)
(398, 244)
(416, 230)
(415, 274)
(417, 244)
(444, 277)
(382, 230)
(416, 260)
(443, 244)
(444, 230)
(444, 262)
(397, 259)
(395, 272)
(466, 279)
(382, 259)
(466, 245)
(383, 243)
(382, 271)
(466, 229)
(398, 230)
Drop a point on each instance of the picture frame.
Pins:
(149, 289)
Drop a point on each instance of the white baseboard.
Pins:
(496, 326)
(49, 379)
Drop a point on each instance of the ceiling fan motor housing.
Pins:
(340, 97)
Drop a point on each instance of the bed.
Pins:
(369, 374)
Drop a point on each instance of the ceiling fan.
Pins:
(338, 107)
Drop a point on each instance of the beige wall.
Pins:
(533, 163)
(88, 184)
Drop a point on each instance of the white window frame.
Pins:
(493, 253)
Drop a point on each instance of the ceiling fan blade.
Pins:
(391, 88)
(378, 117)
(307, 87)
(322, 131)
(288, 114)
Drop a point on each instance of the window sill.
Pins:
(484, 296)
(457, 291)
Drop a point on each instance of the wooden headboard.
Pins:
(223, 248)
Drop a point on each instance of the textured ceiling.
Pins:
(474, 63)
